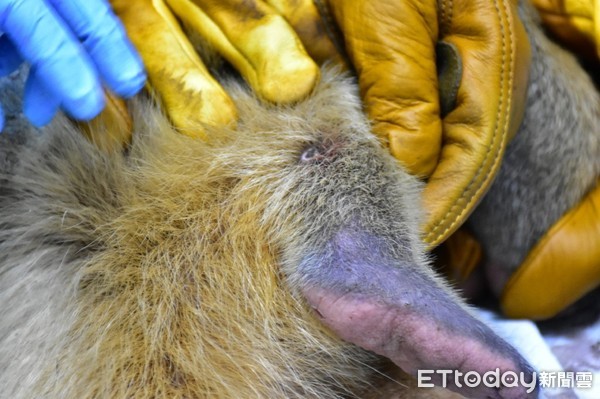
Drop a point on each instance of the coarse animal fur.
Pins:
(159, 273)
(552, 162)
(133, 272)
(182, 268)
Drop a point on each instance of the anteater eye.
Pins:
(310, 154)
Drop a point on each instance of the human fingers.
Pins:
(532, 291)
(39, 104)
(9, 56)
(395, 62)
(104, 38)
(308, 23)
(394, 48)
(45, 42)
(495, 57)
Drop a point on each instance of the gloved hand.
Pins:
(484, 69)
(251, 35)
(395, 58)
(565, 263)
(566, 259)
(392, 46)
(395, 62)
(561, 268)
(575, 22)
(574, 240)
(72, 47)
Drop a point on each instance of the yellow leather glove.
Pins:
(562, 267)
(251, 35)
(460, 153)
(575, 22)
(565, 264)
(392, 46)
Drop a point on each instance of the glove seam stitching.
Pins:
(451, 12)
(442, 19)
(470, 191)
(446, 15)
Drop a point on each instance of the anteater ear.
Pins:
(383, 304)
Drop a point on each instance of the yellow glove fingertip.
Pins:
(403, 144)
(574, 22)
(190, 110)
(562, 267)
(291, 80)
(191, 96)
(283, 71)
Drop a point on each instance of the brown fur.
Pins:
(158, 274)
(170, 271)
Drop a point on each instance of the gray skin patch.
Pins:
(389, 307)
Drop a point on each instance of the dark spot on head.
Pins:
(319, 152)
(311, 154)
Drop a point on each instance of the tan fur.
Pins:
(159, 274)
(169, 272)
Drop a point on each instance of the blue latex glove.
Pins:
(73, 46)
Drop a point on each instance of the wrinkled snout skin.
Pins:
(367, 279)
